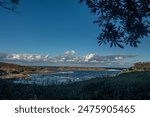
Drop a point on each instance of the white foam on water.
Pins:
(65, 72)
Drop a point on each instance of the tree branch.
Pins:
(8, 5)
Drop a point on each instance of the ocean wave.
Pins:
(64, 77)
(65, 72)
(61, 77)
(113, 70)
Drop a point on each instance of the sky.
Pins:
(60, 33)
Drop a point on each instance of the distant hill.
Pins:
(81, 68)
(13, 67)
(141, 66)
(12, 71)
(8, 70)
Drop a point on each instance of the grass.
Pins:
(133, 86)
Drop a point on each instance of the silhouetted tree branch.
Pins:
(123, 22)
(9, 4)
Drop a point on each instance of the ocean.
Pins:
(65, 77)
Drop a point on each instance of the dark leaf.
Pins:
(121, 21)
(15, 1)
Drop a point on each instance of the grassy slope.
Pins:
(134, 85)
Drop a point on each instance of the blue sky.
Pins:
(51, 28)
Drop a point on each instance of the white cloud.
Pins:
(118, 57)
(27, 57)
(88, 57)
(68, 58)
(95, 61)
(70, 53)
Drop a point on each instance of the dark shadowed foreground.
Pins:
(134, 85)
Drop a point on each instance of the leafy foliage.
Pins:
(9, 4)
(123, 22)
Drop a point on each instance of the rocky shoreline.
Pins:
(10, 71)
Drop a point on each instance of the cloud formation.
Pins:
(68, 58)
(70, 53)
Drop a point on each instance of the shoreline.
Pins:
(10, 71)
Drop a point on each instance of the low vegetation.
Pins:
(133, 85)
(140, 66)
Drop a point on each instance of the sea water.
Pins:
(64, 77)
